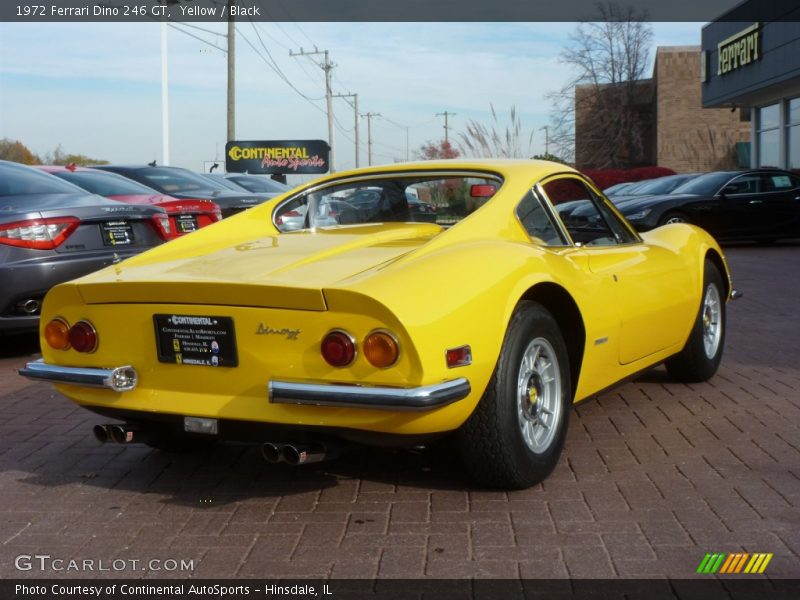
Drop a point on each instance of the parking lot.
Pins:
(654, 476)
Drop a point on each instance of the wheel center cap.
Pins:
(533, 393)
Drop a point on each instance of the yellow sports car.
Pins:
(391, 305)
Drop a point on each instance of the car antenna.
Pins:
(151, 164)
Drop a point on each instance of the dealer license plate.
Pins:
(186, 223)
(117, 233)
(196, 340)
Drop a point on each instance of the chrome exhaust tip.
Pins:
(272, 453)
(101, 433)
(122, 434)
(303, 454)
(29, 307)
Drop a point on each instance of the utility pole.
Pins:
(546, 139)
(354, 104)
(369, 116)
(446, 114)
(231, 74)
(326, 66)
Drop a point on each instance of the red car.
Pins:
(185, 216)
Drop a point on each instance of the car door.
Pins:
(761, 205)
(646, 283)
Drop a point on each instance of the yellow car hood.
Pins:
(281, 271)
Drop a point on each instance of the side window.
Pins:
(577, 207)
(745, 184)
(537, 222)
(778, 182)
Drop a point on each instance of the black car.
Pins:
(52, 231)
(761, 204)
(258, 183)
(186, 185)
(653, 187)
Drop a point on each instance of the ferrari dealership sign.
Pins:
(289, 157)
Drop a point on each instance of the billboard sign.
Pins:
(281, 156)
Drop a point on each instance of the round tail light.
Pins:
(381, 349)
(83, 337)
(338, 348)
(56, 333)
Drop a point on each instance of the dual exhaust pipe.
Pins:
(118, 434)
(297, 454)
(274, 453)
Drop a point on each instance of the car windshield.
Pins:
(170, 180)
(704, 185)
(16, 180)
(443, 199)
(105, 184)
(258, 184)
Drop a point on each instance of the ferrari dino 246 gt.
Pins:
(366, 321)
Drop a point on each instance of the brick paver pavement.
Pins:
(654, 475)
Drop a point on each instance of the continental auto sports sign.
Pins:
(289, 157)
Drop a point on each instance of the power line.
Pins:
(289, 83)
(197, 37)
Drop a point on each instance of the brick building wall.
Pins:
(690, 137)
(683, 135)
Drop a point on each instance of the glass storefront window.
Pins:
(793, 113)
(769, 133)
(769, 117)
(793, 146)
(768, 144)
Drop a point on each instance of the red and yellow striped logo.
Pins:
(734, 563)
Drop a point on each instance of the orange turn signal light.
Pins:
(56, 333)
(381, 349)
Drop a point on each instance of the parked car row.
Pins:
(62, 222)
(760, 204)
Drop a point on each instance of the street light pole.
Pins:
(231, 74)
(164, 97)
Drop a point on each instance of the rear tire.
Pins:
(515, 435)
(700, 357)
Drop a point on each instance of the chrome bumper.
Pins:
(421, 398)
(120, 379)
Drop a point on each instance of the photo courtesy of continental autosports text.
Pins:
(399, 300)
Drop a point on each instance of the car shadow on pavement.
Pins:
(234, 473)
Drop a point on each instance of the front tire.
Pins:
(673, 217)
(515, 435)
(700, 357)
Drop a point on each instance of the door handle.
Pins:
(756, 202)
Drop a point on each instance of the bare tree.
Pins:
(607, 98)
(496, 142)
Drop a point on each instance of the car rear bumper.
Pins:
(422, 398)
(31, 279)
(119, 379)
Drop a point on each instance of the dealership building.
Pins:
(750, 63)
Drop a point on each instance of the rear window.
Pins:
(443, 199)
(172, 180)
(16, 180)
(105, 184)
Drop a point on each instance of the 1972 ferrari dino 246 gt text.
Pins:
(368, 322)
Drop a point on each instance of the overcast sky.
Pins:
(96, 88)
